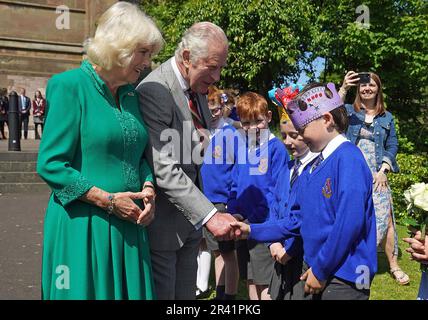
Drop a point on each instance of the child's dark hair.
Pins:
(340, 115)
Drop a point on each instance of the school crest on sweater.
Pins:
(218, 152)
(263, 166)
(326, 190)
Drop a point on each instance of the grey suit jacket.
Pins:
(180, 204)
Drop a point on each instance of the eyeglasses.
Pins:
(216, 110)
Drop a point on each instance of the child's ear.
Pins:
(269, 116)
(328, 120)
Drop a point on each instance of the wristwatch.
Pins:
(385, 170)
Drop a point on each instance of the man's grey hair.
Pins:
(197, 40)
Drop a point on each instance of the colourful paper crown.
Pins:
(281, 96)
(312, 105)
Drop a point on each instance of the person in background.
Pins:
(229, 111)
(39, 104)
(24, 106)
(216, 171)
(254, 180)
(372, 129)
(92, 157)
(4, 108)
(288, 253)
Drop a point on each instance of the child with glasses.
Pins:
(216, 172)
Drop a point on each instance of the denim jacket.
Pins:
(386, 142)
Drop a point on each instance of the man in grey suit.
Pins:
(167, 98)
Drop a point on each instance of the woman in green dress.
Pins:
(92, 157)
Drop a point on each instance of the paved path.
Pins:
(21, 238)
(29, 145)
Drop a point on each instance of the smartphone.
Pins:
(364, 77)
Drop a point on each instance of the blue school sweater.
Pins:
(337, 218)
(285, 196)
(219, 159)
(254, 180)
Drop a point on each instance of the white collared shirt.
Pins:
(308, 157)
(333, 145)
(255, 146)
(183, 83)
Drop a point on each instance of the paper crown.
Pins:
(281, 96)
(312, 105)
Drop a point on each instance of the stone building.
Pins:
(39, 38)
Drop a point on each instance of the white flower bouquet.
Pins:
(417, 206)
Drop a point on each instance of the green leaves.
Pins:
(267, 38)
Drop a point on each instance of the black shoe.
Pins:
(204, 294)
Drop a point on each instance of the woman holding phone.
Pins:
(372, 129)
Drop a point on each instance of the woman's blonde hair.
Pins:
(119, 32)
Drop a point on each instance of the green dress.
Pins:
(87, 141)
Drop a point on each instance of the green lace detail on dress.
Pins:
(73, 191)
(130, 137)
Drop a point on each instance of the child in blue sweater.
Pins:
(334, 208)
(288, 254)
(259, 163)
(216, 171)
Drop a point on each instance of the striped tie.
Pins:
(193, 106)
(295, 174)
(197, 120)
(316, 163)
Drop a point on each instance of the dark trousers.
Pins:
(336, 289)
(2, 123)
(285, 278)
(24, 120)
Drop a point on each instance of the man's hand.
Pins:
(278, 253)
(312, 285)
(220, 226)
(418, 248)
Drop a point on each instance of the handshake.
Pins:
(225, 226)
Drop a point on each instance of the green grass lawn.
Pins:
(384, 286)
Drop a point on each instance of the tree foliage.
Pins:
(271, 40)
(268, 38)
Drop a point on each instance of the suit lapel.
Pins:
(176, 90)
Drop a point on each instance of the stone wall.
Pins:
(36, 41)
